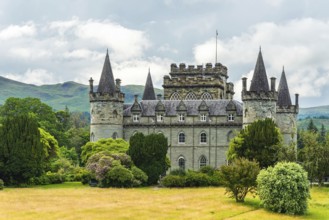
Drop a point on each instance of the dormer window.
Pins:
(203, 117)
(159, 117)
(181, 117)
(230, 117)
(135, 117)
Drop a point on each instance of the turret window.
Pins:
(181, 117)
(190, 96)
(181, 138)
(203, 117)
(175, 96)
(203, 138)
(206, 96)
(136, 118)
(230, 117)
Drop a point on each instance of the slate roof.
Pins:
(216, 107)
(259, 80)
(149, 90)
(106, 82)
(283, 91)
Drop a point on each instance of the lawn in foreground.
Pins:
(75, 201)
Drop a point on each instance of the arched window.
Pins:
(190, 96)
(203, 138)
(206, 96)
(175, 96)
(181, 138)
(115, 135)
(181, 163)
(202, 161)
(92, 137)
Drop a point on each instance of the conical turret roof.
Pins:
(259, 80)
(106, 82)
(149, 90)
(283, 91)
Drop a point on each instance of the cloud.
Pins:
(16, 31)
(33, 76)
(300, 45)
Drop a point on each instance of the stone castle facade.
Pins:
(197, 113)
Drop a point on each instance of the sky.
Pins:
(54, 41)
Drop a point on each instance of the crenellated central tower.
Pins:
(106, 106)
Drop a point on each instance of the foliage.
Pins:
(197, 179)
(284, 188)
(109, 145)
(119, 176)
(261, 141)
(178, 172)
(239, 178)
(173, 181)
(24, 157)
(140, 178)
(149, 154)
(50, 144)
(2, 184)
(288, 153)
(315, 156)
(312, 127)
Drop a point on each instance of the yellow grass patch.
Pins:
(74, 201)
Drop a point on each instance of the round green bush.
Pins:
(284, 188)
(120, 176)
(173, 181)
(2, 184)
(140, 178)
(196, 179)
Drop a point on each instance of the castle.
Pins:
(197, 114)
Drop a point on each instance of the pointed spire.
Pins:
(283, 91)
(259, 80)
(149, 90)
(106, 83)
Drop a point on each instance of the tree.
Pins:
(284, 188)
(149, 154)
(261, 141)
(239, 178)
(315, 156)
(312, 127)
(323, 133)
(22, 155)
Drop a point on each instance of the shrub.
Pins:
(208, 170)
(2, 184)
(119, 176)
(55, 178)
(178, 172)
(284, 188)
(173, 181)
(215, 179)
(140, 178)
(239, 178)
(196, 179)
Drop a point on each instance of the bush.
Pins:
(215, 179)
(119, 176)
(178, 172)
(140, 178)
(2, 184)
(196, 179)
(173, 181)
(239, 178)
(284, 188)
(208, 170)
(55, 178)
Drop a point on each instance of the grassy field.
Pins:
(75, 201)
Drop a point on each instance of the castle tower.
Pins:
(149, 89)
(286, 113)
(106, 105)
(260, 101)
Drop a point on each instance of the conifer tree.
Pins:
(312, 127)
(21, 152)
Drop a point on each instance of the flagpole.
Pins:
(216, 47)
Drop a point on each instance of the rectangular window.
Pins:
(181, 117)
(203, 117)
(136, 118)
(159, 118)
(230, 117)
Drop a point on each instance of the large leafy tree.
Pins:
(261, 141)
(22, 155)
(149, 154)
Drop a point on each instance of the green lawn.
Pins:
(75, 201)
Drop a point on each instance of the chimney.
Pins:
(273, 84)
(296, 99)
(244, 84)
(91, 81)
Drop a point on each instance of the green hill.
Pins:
(71, 94)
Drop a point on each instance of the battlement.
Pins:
(116, 97)
(192, 70)
(293, 109)
(192, 80)
(264, 96)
